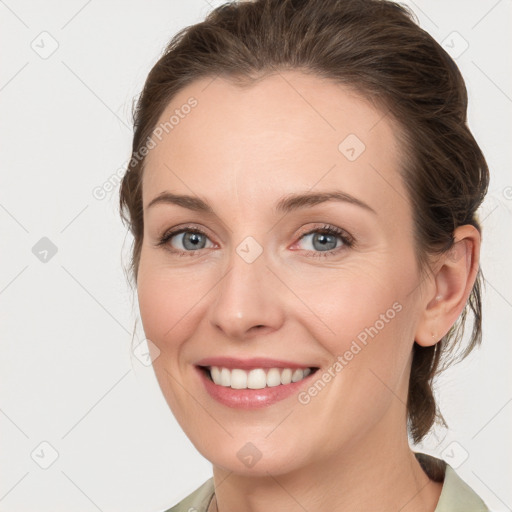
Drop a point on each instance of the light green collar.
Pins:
(456, 495)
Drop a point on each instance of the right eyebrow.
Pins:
(286, 204)
(189, 202)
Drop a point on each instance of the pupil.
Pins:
(324, 240)
(192, 241)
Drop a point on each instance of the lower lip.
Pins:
(250, 398)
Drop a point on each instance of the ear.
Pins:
(450, 285)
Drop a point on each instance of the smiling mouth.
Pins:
(257, 378)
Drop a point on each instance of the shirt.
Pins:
(456, 495)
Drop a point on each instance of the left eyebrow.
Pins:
(298, 201)
(286, 204)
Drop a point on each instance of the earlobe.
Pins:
(450, 287)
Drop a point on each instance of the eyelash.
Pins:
(348, 240)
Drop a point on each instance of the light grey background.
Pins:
(68, 379)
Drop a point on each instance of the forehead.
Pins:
(290, 132)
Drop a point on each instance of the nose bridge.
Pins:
(244, 297)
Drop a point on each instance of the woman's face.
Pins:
(263, 286)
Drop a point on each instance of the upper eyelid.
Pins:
(325, 227)
(342, 234)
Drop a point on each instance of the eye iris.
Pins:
(321, 241)
(325, 241)
(194, 239)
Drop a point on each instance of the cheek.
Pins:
(369, 340)
(169, 299)
(157, 307)
(364, 317)
(170, 306)
(345, 302)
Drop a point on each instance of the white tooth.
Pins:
(298, 374)
(238, 379)
(225, 377)
(286, 376)
(273, 377)
(215, 373)
(256, 379)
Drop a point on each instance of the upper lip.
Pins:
(251, 363)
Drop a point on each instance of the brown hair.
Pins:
(376, 47)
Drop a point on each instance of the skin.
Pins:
(241, 150)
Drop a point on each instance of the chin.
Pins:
(256, 459)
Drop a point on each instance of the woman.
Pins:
(302, 194)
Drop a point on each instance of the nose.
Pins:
(247, 301)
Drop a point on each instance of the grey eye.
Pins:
(321, 241)
(191, 240)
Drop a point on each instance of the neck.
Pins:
(365, 476)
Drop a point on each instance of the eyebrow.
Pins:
(286, 204)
